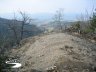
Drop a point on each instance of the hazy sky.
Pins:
(46, 6)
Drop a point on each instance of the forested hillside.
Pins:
(10, 32)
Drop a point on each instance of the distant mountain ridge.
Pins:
(43, 16)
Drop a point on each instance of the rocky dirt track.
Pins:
(66, 52)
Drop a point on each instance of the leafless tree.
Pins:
(83, 20)
(13, 26)
(17, 26)
(25, 20)
(58, 17)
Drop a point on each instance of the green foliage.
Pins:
(93, 22)
(76, 26)
(92, 27)
(88, 30)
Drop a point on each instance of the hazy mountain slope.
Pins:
(29, 29)
(67, 52)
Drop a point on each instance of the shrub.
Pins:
(93, 22)
(88, 30)
(3, 65)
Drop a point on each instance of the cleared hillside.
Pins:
(66, 52)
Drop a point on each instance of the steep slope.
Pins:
(65, 51)
(10, 32)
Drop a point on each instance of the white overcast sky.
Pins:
(49, 6)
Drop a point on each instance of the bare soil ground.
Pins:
(68, 53)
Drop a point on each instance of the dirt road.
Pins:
(68, 53)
